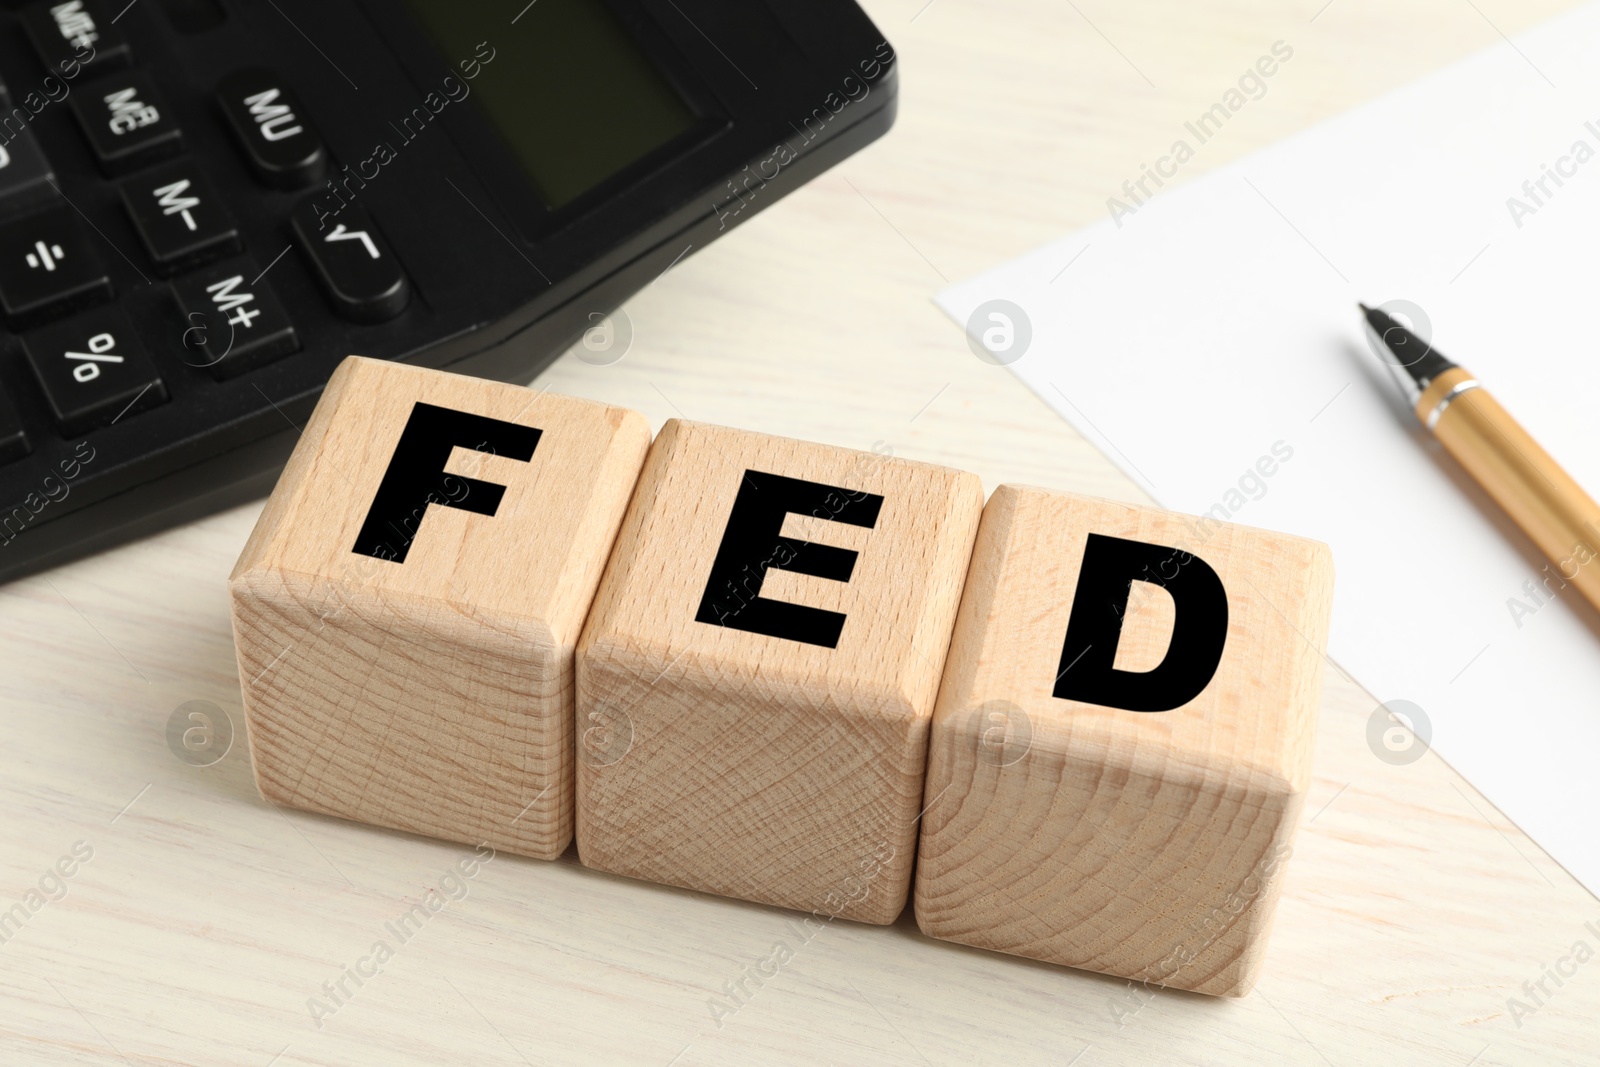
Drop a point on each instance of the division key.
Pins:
(48, 265)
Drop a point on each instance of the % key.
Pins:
(87, 363)
(93, 370)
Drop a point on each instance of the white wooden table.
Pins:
(205, 920)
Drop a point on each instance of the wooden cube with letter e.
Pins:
(758, 672)
(1122, 744)
(407, 608)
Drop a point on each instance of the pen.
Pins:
(1540, 497)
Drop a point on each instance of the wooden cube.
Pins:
(758, 672)
(1122, 743)
(407, 608)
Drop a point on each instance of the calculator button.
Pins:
(232, 324)
(93, 370)
(271, 124)
(13, 439)
(26, 179)
(47, 264)
(126, 121)
(353, 261)
(78, 32)
(179, 216)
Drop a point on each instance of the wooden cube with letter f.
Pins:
(1122, 744)
(758, 672)
(407, 608)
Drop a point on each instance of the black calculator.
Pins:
(206, 204)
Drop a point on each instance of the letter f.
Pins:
(416, 475)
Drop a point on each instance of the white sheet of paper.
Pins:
(1219, 320)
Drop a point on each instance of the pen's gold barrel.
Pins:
(1540, 497)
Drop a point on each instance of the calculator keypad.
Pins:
(354, 263)
(48, 264)
(87, 356)
(179, 216)
(233, 321)
(93, 370)
(272, 127)
(127, 123)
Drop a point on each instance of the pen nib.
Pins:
(1396, 345)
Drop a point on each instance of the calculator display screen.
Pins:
(572, 94)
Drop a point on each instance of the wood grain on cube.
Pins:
(751, 764)
(1149, 845)
(431, 693)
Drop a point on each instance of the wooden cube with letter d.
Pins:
(1122, 743)
(407, 607)
(760, 665)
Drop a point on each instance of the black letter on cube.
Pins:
(752, 543)
(416, 476)
(1199, 630)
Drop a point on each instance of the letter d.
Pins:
(1200, 629)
